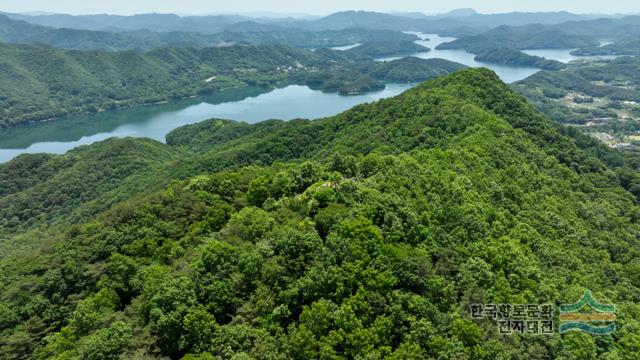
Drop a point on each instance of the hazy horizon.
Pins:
(294, 8)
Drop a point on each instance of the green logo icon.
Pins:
(599, 321)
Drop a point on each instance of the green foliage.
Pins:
(363, 235)
(106, 344)
(258, 191)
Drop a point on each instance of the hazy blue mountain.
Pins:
(340, 20)
(85, 22)
(456, 18)
(411, 15)
(457, 13)
(250, 25)
(604, 28)
(534, 36)
(362, 19)
(153, 22)
(521, 18)
(21, 32)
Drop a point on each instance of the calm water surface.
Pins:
(508, 74)
(346, 47)
(564, 55)
(247, 104)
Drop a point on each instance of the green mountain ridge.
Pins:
(363, 235)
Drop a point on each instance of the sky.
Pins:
(127, 7)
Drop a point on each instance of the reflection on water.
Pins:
(246, 104)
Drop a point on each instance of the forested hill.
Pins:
(534, 36)
(363, 235)
(21, 32)
(90, 81)
(517, 58)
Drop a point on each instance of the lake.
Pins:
(564, 55)
(508, 74)
(345, 47)
(246, 104)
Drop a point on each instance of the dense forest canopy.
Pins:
(370, 234)
(363, 235)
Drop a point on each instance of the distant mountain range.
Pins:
(339, 20)
(476, 32)
(245, 32)
(152, 22)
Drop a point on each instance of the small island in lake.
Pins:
(518, 58)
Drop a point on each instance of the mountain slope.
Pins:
(406, 211)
